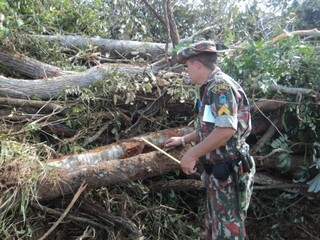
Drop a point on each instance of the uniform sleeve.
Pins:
(224, 105)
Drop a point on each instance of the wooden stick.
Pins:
(159, 149)
(65, 213)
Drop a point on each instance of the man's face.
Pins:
(195, 71)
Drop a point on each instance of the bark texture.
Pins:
(29, 67)
(105, 173)
(119, 47)
(123, 149)
(52, 87)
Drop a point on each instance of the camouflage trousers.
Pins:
(223, 218)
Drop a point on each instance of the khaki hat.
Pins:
(195, 49)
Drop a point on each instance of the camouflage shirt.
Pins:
(224, 104)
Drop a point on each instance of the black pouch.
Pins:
(220, 171)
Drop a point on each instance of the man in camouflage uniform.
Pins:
(224, 123)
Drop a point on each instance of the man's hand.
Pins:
(173, 142)
(188, 162)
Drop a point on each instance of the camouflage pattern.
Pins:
(224, 104)
(228, 105)
(194, 49)
(223, 221)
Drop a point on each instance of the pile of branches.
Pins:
(64, 131)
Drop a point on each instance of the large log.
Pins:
(29, 67)
(60, 182)
(118, 47)
(122, 149)
(51, 88)
(130, 147)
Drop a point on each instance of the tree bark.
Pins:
(154, 12)
(52, 87)
(123, 149)
(174, 34)
(104, 173)
(29, 67)
(123, 47)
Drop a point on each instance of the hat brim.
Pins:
(185, 59)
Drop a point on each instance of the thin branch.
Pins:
(311, 32)
(278, 150)
(97, 134)
(155, 13)
(175, 38)
(65, 213)
(166, 17)
(274, 125)
(71, 217)
(281, 186)
(198, 33)
(265, 138)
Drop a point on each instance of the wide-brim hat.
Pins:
(194, 49)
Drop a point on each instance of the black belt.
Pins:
(223, 170)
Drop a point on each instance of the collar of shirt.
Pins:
(210, 79)
(212, 74)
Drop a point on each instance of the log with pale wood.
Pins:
(122, 149)
(52, 87)
(115, 163)
(29, 67)
(105, 173)
(124, 48)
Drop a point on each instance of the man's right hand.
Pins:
(173, 142)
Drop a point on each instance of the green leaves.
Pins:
(284, 159)
(314, 184)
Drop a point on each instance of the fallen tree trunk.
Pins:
(124, 48)
(123, 149)
(51, 88)
(29, 67)
(130, 147)
(127, 148)
(104, 173)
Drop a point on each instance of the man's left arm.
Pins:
(217, 138)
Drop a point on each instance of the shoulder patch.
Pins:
(220, 87)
